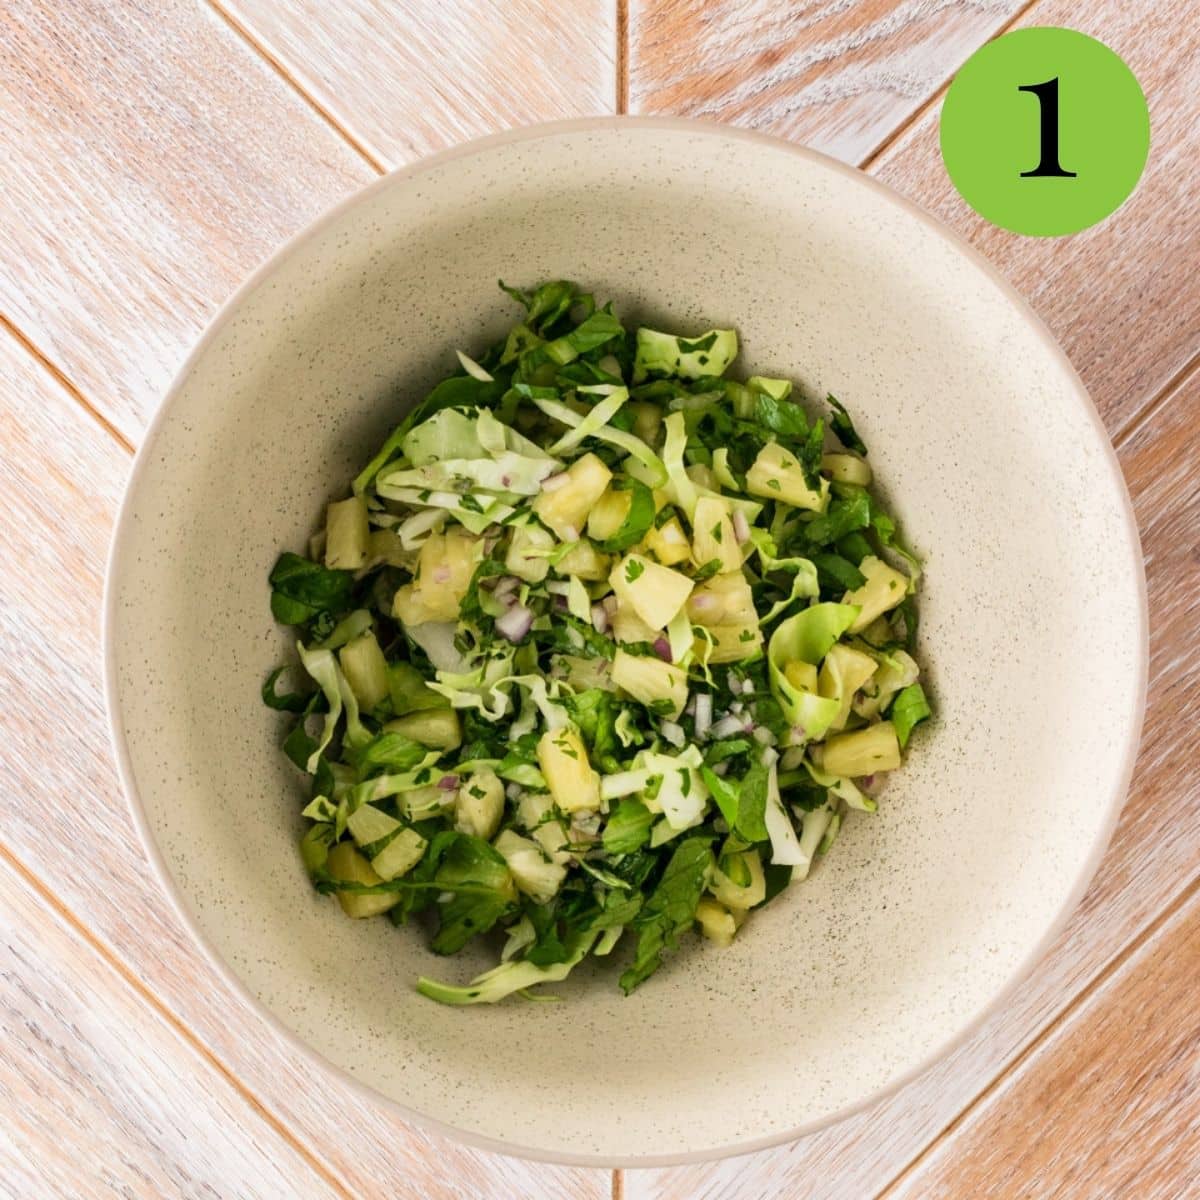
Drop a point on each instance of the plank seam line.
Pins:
(618, 1184)
(622, 24)
(63, 380)
(280, 68)
(894, 136)
(150, 998)
(1058, 1025)
(1140, 418)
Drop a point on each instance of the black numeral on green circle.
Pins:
(1047, 94)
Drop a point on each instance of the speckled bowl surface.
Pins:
(1033, 626)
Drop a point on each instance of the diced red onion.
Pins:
(672, 732)
(553, 482)
(599, 618)
(515, 623)
(506, 480)
(513, 792)
(867, 781)
(799, 737)
(722, 768)
(702, 602)
(769, 757)
(737, 708)
(448, 783)
(747, 687)
(441, 574)
(727, 727)
(610, 605)
(662, 648)
(763, 736)
(506, 585)
(741, 527)
(703, 713)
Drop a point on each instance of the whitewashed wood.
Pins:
(1106, 1107)
(151, 160)
(1152, 858)
(1120, 297)
(101, 1097)
(841, 77)
(64, 817)
(408, 77)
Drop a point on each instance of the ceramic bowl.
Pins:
(1033, 626)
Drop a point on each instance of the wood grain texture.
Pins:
(103, 1098)
(1120, 297)
(839, 75)
(1107, 1107)
(151, 161)
(63, 815)
(1152, 858)
(406, 79)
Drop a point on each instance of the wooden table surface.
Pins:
(153, 153)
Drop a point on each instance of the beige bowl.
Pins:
(1033, 625)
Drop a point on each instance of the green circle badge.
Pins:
(1045, 131)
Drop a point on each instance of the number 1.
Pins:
(1047, 94)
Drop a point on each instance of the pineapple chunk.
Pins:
(778, 476)
(731, 643)
(647, 421)
(365, 669)
(884, 588)
(650, 679)
(627, 626)
(399, 856)
(745, 885)
(846, 468)
(610, 514)
(346, 534)
(444, 571)
(701, 476)
(715, 921)
(584, 561)
(437, 728)
(573, 783)
(713, 536)
(526, 557)
(480, 804)
(802, 676)
(669, 544)
(346, 864)
(565, 510)
(862, 752)
(724, 599)
(843, 672)
(532, 874)
(656, 592)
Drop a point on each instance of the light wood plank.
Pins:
(838, 76)
(1107, 1107)
(1152, 857)
(64, 817)
(103, 1098)
(1120, 297)
(413, 77)
(152, 160)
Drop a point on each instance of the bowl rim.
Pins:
(1132, 723)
